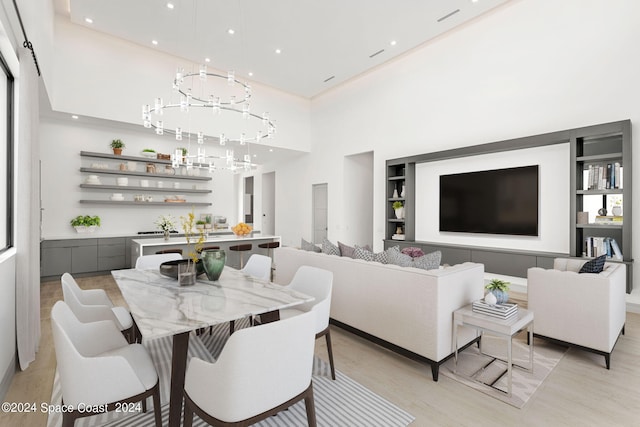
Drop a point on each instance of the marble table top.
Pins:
(162, 308)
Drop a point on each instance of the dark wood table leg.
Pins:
(271, 316)
(178, 371)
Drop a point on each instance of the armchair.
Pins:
(584, 310)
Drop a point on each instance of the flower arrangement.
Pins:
(166, 223)
(187, 226)
(241, 229)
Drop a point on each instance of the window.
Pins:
(6, 156)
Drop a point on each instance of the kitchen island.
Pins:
(151, 246)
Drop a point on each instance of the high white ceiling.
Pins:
(322, 43)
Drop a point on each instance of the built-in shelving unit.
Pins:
(400, 182)
(112, 170)
(600, 183)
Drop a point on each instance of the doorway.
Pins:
(320, 212)
(268, 204)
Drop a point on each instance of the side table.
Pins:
(506, 328)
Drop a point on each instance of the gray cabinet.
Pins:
(112, 254)
(68, 256)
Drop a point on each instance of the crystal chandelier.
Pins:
(232, 101)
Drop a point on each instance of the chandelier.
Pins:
(193, 94)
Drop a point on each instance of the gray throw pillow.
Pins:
(329, 248)
(398, 258)
(308, 246)
(345, 250)
(362, 253)
(430, 261)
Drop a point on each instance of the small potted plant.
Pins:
(207, 222)
(398, 207)
(200, 224)
(117, 145)
(85, 223)
(499, 288)
(149, 152)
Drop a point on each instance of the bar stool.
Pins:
(270, 246)
(241, 248)
(170, 251)
(209, 248)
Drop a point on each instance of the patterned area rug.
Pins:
(342, 402)
(524, 384)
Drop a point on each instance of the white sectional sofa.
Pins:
(403, 308)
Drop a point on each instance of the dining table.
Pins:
(161, 308)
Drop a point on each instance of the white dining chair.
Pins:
(318, 283)
(100, 372)
(258, 266)
(152, 262)
(260, 372)
(91, 305)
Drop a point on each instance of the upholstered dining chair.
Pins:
(319, 284)
(100, 372)
(260, 372)
(91, 305)
(152, 262)
(258, 266)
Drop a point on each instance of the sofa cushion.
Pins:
(430, 261)
(596, 265)
(412, 252)
(308, 246)
(346, 250)
(363, 253)
(329, 248)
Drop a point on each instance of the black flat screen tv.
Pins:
(499, 201)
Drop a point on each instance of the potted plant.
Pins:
(167, 224)
(149, 152)
(398, 207)
(200, 224)
(85, 223)
(117, 145)
(207, 222)
(499, 288)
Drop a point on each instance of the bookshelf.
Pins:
(400, 176)
(601, 193)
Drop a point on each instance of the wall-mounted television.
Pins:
(499, 201)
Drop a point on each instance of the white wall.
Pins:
(517, 71)
(553, 214)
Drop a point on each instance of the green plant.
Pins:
(184, 150)
(148, 150)
(117, 143)
(200, 222)
(497, 285)
(85, 221)
(166, 223)
(397, 205)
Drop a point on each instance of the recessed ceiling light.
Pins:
(231, 31)
(170, 6)
(250, 73)
(88, 20)
(271, 150)
(154, 42)
(74, 117)
(393, 42)
(278, 51)
(207, 60)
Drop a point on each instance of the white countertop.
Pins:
(211, 239)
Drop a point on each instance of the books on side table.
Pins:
(502, 311)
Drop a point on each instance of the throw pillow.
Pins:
(596, 265)
(345, 250)
(398, 258)
(329, 248)
(412, 252)
(383, 257)
(430, 261)
(363, 253)
(308, 246)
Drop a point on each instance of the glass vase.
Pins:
(166, 234)
(213, 261)
(187, 274)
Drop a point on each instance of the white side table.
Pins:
(507, 328)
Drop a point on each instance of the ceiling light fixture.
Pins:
(202, 91)
(170, 6)
(154, 42)
(231, 31)
(278, 51)
(393, 42)
(88, 20)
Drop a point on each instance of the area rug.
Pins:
(342, 402)
(524, 384)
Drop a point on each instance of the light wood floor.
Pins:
(579, 392)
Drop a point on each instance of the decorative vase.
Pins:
(501, 296)
(187, 274)
(395, 193)
(402, 192)
(490, 298)
(166, 234)
(213, 261)
(617, 210)
(400, 213)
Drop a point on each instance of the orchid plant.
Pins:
(166, 223)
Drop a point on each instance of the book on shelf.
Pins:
(398, 237)
(604, 176)
(597, 246)
(609, 220)
(503, 311)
